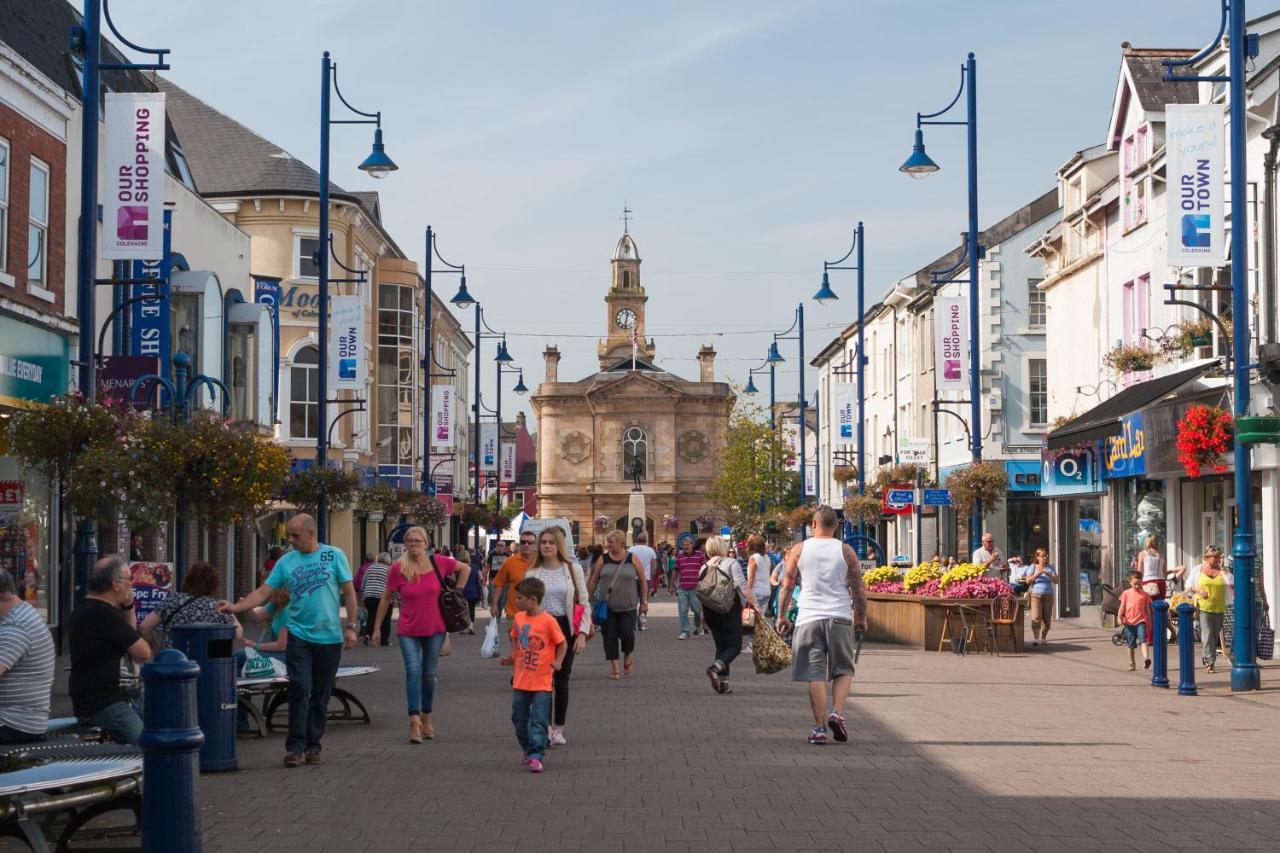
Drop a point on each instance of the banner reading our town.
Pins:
(1194, 148)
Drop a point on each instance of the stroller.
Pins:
(1111, 607)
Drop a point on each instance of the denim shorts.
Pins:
(1135, 634)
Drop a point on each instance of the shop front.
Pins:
(1026, 512)
(34, 366)
(1070, 478)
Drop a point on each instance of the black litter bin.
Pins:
(209, 645)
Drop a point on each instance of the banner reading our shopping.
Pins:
(951, 343)
(441, 416)
(133, 176)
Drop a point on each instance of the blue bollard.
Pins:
(1160, 643)
(1186, 650)
(170, 745)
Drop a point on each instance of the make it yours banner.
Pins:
(1194, 154)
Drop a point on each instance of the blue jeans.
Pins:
(313, 668)
(120, 721)
(531, 712)
(421, 657)
(687, 599)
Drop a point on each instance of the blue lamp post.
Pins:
(431, 368)
(920, 165)
(86, 40)
(1245, 674)
(376, 165)
(775, 358)
(859, 359)
(503, 364)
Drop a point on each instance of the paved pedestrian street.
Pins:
(1057, 749)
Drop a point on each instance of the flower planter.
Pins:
(914, 620)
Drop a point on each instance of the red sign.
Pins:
(119, 372)
(12, 493)
(898, 500)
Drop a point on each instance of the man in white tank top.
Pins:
(833, 606)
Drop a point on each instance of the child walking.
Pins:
(1135, 619)
(538, 649)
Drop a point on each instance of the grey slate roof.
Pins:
(1146, 69)
(229, 159)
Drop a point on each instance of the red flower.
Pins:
(1204, 434)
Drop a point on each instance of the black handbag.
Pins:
(453, 606)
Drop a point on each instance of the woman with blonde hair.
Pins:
(1041, 581)
(726, 628)
(418, 578)
(619, 573)
(565, 596)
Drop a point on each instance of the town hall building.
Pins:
(629, 418)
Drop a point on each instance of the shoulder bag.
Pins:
(600, 610)
(453, 606)
(715, 588)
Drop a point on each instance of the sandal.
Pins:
(724, 687)
(713, 672)
(627, 667)
(613, 674)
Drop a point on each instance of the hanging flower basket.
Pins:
(1204, 435)
(843, 473)
(427, 512)
(863, 508)
(602, 522)
(1131, 359)
(378, 498)
(703, 523)
(906, 472)
(801, 516)
(304, 488)
(982, 481)
(670, 522)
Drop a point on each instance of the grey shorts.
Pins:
(822, 650)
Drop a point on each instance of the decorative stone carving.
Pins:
(575, 447)
(693, 446)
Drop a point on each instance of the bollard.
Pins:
(1186, 650)
(170, 743)
(1160, 643)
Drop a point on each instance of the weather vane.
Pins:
(625, 217)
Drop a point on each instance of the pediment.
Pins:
(636, 385)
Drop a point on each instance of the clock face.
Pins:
(626, 318)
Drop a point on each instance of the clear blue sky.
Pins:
(748, 137)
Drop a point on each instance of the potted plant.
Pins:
(801, 516)
(1131, 359)
(865, 509)
(427, 511)
(905, 472)
(602, 522)
(985, 482)
(227, 469)
(843, 473)
(378, 501)
(670, 522)
(703, 522)
(303, 488)
(1204, 434)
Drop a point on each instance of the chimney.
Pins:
(707, 361)
(520, 423)
(552, 357)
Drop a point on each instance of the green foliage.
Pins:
(752, 466)
(226, 470)
(903, 474)
(864, 508)
(304, 488)
(983, 481)
(379, 497)
(50, 439)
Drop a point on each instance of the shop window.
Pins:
(4, 209)
(38, 226)
(304, 394)
(184, 327)
(1038, 391)
(1037, 310)
(243, 371)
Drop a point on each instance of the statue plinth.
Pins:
(635, 512)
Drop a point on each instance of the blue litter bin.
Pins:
(209, 645)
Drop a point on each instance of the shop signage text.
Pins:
(1069, 473)
(898, 500)
(1124, 455)
(1024, 475)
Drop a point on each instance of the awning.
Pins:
(1103, 420)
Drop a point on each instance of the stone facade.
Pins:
(589, 431)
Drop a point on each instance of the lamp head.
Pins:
(378, 164)
(463, 299)
(503, 357)
(825, 294)
(774, 356)
(919, 165)
(751, 385)
(520, 386)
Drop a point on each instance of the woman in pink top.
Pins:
(420, 629)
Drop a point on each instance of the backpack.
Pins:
(715, 588)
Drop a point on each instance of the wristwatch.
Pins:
(351, 626)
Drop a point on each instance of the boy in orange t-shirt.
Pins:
(538, 646)
(1134, 617)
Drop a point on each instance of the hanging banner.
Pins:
(441, 416)
(791, 435)
(149, 316)
(133, 176)
(810, 480)
(843, 397)
(950, 342)
(508, 462)
(346, 343)
(488, 447)
(1195, 146)
(266, 291)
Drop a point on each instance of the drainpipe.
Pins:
(1272, 135)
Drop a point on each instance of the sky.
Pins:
(747, 137)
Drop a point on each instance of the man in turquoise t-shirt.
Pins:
(314, 574)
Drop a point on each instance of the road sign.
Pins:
(937, 497)
(898, 501)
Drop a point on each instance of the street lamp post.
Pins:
(1245, 674)
(776, 358)
(429, 357)
(86, 40)
(501, 364)
(377, 165)
(920, 165)
(825, 294)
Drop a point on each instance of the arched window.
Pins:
(304, 394)
(635, 448)
(626, 279)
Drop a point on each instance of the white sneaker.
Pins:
(555, 736)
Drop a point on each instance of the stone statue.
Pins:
(636, 471)
(637, 528)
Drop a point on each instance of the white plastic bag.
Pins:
(489, 648)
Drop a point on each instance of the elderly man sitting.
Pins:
(26, 667)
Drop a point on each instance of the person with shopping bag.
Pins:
(723, 591)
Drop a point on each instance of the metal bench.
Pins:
(63, 777)
(274, 692)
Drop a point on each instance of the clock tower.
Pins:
(624, 308)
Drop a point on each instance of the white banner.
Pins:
(489, 447)
(441, 416)
(508, 474)
(950, 343)
(1195, 147)
(811, 479)
(133, 176)
(914, 451)
(846, 411)
(346, 343)
(791, 435)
